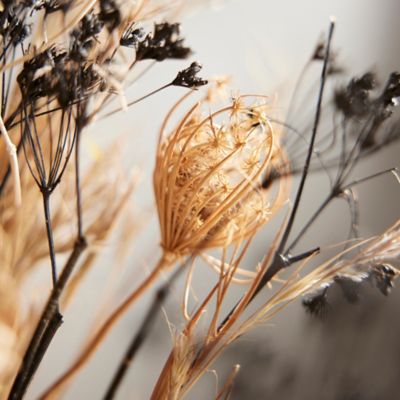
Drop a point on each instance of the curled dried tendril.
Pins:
(207, 179)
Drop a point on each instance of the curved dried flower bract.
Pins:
(207, 179)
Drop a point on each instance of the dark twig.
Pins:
(304, 175)
(49, 230)
(283, 259)
(51, 319)
(144, 329)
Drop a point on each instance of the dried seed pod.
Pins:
(317, 303)
(207, 179)
(383, 276)
(188, 77)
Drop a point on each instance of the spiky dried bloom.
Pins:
(207, 178)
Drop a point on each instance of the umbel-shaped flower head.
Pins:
(208, 173)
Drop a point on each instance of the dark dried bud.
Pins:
(110, 14)
(383, 108)
(188, 77)
(20, 33)
(36, 78)
(132, 37)
(270, 178)
(383, 276)
(354, 100)
(51, 6)
(319, 52)
(317, 303)
(391, 94)
(89, 27)
(83, 38)
(319, 55)
(165, 42)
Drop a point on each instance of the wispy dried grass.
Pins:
(196, 348)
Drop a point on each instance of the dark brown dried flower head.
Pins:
(317, 303)
(188, 77)
(110, 14)
(354, 100)
(165, 42)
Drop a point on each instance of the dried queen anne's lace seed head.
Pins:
(207, 179)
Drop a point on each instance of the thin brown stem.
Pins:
(51, 319)
(49, 230)
(144, 97)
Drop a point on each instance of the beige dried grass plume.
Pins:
(195, 349)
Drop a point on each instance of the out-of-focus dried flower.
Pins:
(165, 42)
(383, 275)
(354, 100)
(110, 14)
(188, 77)
(317, 303)
(84, 37)
(132, 37)
(350, 286)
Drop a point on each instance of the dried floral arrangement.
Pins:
(221, 173)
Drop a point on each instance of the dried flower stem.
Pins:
(12, 153)
(144, 97)
(46, 327)
(51, 318)
(227, 389)
(143, 330)
(283, 260)
(49, 230)
(304, 175)
(105, 328)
